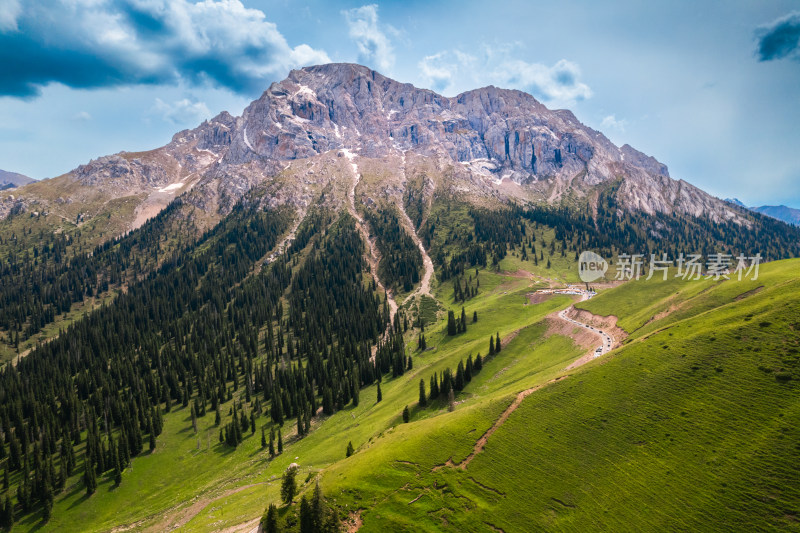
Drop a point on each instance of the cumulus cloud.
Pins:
(10, 11)
(559, 84)
(611, 122)
(437, 71)
(102, 43)
(374, 47)
(780, 38)
(82, 116)
(180, 112)
(556, 85)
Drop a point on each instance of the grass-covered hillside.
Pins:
(181, 401)
(691, 426)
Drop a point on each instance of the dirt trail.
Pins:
(427, 276)
(478, 448)
(248, 527)
(287, 240)
(373, 257)
(177, 518)
(608, 343)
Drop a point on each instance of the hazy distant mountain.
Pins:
(9, 180)
(781, 212)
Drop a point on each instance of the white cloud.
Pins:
(374, 47)
(82, 116)
(611, 122)
(437, 71)
(10, 11)
(558, 85)
(181, 112)
(108, 43)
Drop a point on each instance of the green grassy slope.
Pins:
(212, 486)
(692, 424)
(692, 427)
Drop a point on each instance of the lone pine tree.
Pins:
(289, 485)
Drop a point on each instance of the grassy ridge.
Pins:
(693, 426)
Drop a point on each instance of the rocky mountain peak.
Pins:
(498, 142)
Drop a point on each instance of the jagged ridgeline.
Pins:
(214, 318)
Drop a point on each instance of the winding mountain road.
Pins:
(607, 340)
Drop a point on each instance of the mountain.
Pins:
(358, 305)
(780, 212)
(736, 201)
(490, 142)
(10, 180)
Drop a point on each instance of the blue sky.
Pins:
(709, 88)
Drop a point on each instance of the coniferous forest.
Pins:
(209, 324)
(294, 337)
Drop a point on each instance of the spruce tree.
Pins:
(194, 419)
(89, 478)
(406, 414)
(380, 396)
(299, 423)
(263, 438)
(497, 343)
(269, 522)
(423, 400)
(289, 484)
(152, 437)
(47, 504)
(318, 509)
(280, 442)
(8, 513)
(350, 450)
(451, 323)
(491, 346)
(272, 442)
(306, 517)
(117, 469)
(459, 385)
(434, 387)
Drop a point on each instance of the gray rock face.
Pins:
(337, 106)
(489, 135)
(349, 106)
